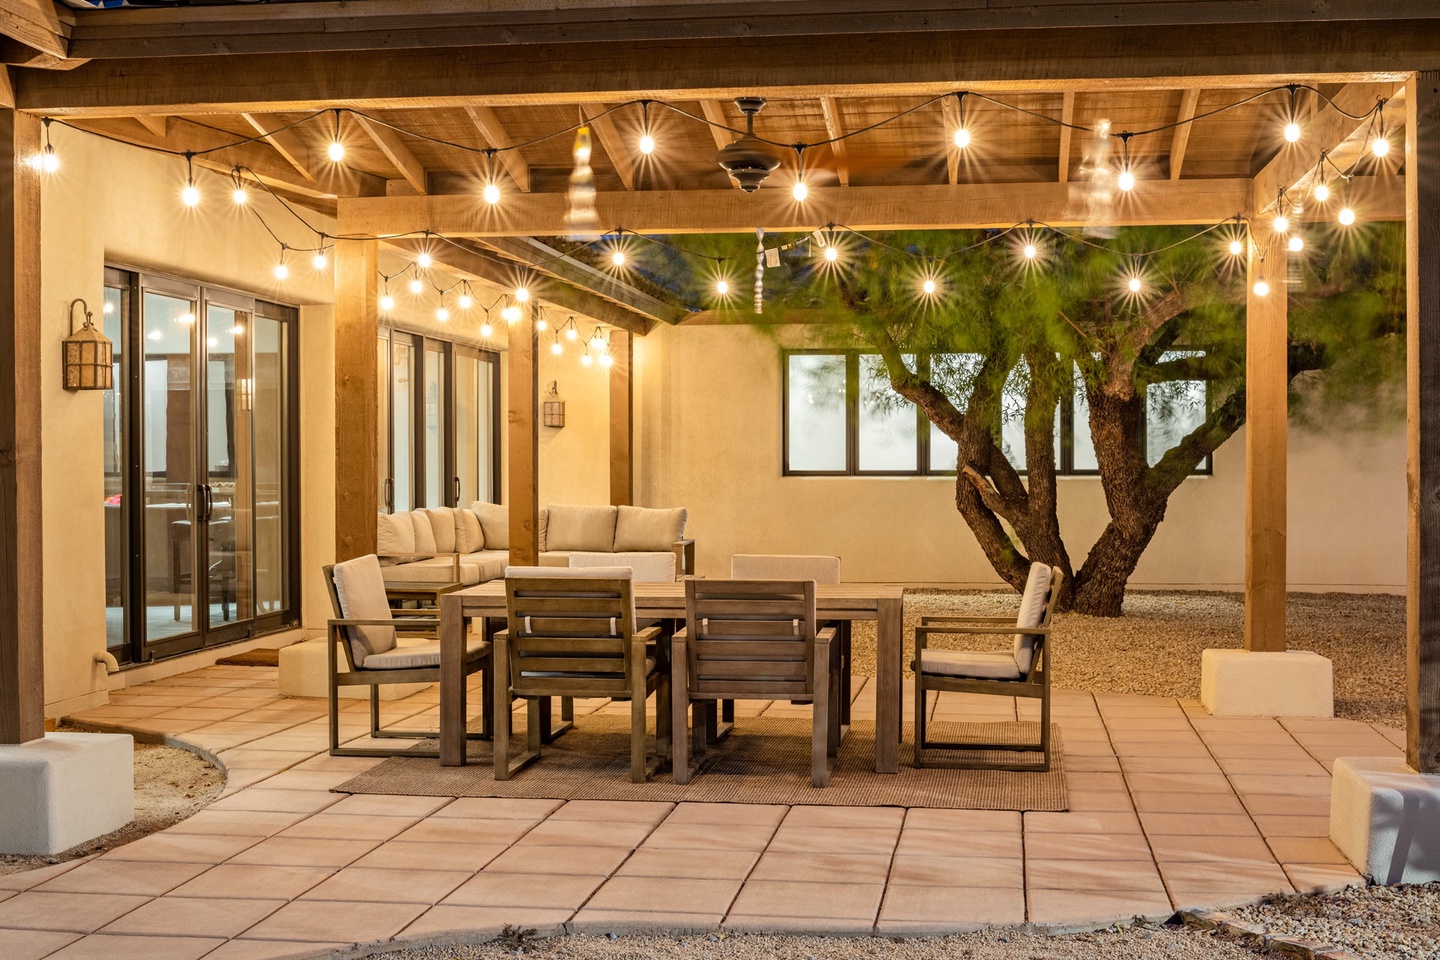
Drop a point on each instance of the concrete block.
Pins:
(1385, 818)
(65, 789)
(1239, 683)
(304, 672)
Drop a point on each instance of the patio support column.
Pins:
(357, 398)
(1422, 284)
(22, 687)
(1266, 392)
(622, 418)
(524, 466)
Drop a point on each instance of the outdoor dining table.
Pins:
(666, 601)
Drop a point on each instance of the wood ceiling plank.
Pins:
(539, 256)
(1067, 117)
(393, 146)
(156, 123)
(608, 134)
(835, 129)
(1180, 140)
(950, 111)
(494, 133)
(284, 141)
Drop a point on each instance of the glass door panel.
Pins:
(115, 308)
(437, 486)
(383, 454)
(225, 550)
(267, 419)
(402, 423)
(467, 428)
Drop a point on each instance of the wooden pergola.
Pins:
(494, 75)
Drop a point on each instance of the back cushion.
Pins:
(543, 533)
(424, 533)
(1032, 608)
(469, 537)
(360, 589)
(394, 534)
(442, 524)
(648, 529)
(581, 528)
(494, 522)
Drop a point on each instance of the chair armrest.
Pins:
(943, 631)
(648, 635)
(682, 635)
(931, 621)
(684, 556)
(412, 622)
(828, 634)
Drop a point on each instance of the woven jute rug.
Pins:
(261, 657)
(765, 760)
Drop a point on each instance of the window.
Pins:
(841, 418)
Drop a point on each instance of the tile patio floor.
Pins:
(1170, 807)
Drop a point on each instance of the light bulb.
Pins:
(241, 196)
(1321, 192)
(618, 258)
(491, 193)
(1236, 248)
(1134, 284)
(606, 360)
(586, 359)
(800, 191)
(647, 144)
(556, 349)
(416, 286)
(1281, 224)
(721, 287)
(1292, 131)
(319, 261)
(572, 334)
(1380, 147)
(832, 253)
(336, 151)
(424, 260)
(387, 303)
(486, 329)
(49, 160)
(190, 196)
(928, 286)
(521, 294)
(1262, 288)
(541, 325)
(1346, 216)
(597, 342)
(1126, 181)
(510, 314)
(466, 301)
(1296, 244)
(1030, 251)
(281, 270)
(962, 138)
(442, 314)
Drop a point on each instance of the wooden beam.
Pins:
(157, 124)
(611, 142)
(1180, 139)
(521, 419)
(494, 133)
(622, 419)
(393, 146)
(715, 114)
(22, 615)
(1067, 117)
(1422, 328)
(284, 141)
(835, 128)
(357, 398)
(1267, 385)
(546, 259)
(36, 24)
(950, 111)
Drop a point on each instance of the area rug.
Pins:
(261, 657)
(766, 760)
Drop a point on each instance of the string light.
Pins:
(801, 189)
(282, 270)
(1346, 216)
(1380, 146)
(647, 142)
(1281, 223)
(1134, 284)
(486, 329)
(466, 301)
(521, 294)
(1030, 252)
(48, 161)
(831, 252)
(1236, 248)
(571, 333)
(387, 302)
(1296, 244)
(240, 195)
(597, 342)
(491, 193)
(319, 260)
(617, 258)
(928, 286)
(541, 325)
(555, 347)
(961, 139)
(606, 360)
(336, 150)
(1262, 289)
(190, 194)
(1126, 180)
(1292, 132)
(424, 260)
(585, 359)
(722, 288)
(442, 314)
(510, 313)
(1321, 193)
(416, 286)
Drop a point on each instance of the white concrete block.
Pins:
(304, 672)
(1385, 818)
(64, 790)
(1241, 683)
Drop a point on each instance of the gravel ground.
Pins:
(1133, 943)
(170, 785)
(1155, 648)
(1377, 923)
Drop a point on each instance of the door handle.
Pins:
(389, 494)
(457, 491)
(203, 502)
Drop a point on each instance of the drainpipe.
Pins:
(108, 659)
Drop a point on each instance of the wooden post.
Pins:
(22, 681)
(524, 381)
(1266, 411)
(1422, 468)
(357, 398)
(622, 419)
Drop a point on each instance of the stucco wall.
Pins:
(575, 459)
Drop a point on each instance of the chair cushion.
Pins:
(649, 567)
(494, 522)
(755, 566)
(424, 533)
(469, 536)
(490, 563)
(647, 529)
(433, 570)
(409, 656)
(442, 524)
(573, 527)
(394, 534)
(1032, 609)
(971, 664)
(360, 588)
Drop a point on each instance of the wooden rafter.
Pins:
(610, 141)
(537, 255)
(37, 25)
(393, 146)
(157, 124)
(834, 129)
(1180, 140)
(1067, 117)
(494, 133)
(284, 141)
(950, 111)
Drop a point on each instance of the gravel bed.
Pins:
(1377, 923)
(1155, 648)
(1141, 942)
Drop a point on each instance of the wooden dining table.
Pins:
(879, 602)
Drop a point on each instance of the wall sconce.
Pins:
(88, 355)
(554, 407)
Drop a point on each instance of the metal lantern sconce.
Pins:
(554, 407)
(88, 354)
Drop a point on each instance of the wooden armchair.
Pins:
(1022, 672)
(571, 633)
(366, 630)
(753, 639)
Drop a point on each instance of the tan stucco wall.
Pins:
(575, 459)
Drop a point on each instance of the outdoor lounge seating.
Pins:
(571, 633)
(753, 639)
(366, 630)
(1022, 672)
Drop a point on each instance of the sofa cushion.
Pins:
(648, 528)
(646, 567)
(1032, 607)
(424, 533)
(469, 537)
(408, 656)
(433, 570)
(542, 532)
(490, 563)
(442, 524)
(573, 527)
(360, 588)
(964, 663)
(494, 522)
(394, 534)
